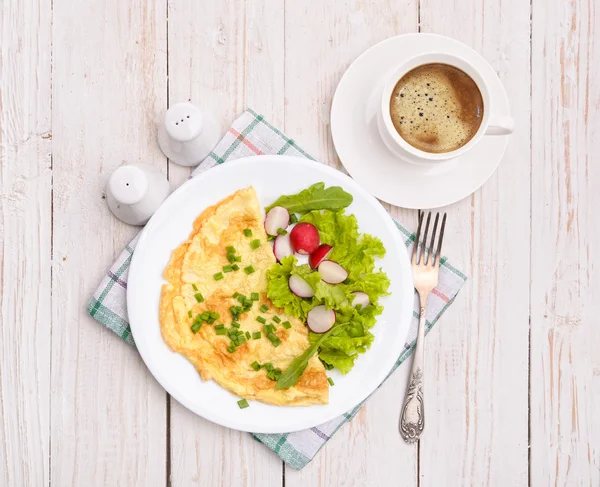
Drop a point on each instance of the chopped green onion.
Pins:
(195, 287)
(243, 404)
(264, 308)
(205, 316)
(241, 298)
(190, 313)
(293, 218)
(237, 259)
(247, 232)
(248, 303)
(210, 321)
(214, 315)
(268, 366)
(270, 238)
(254, 296)
(287, 325)
(276, 319)
(220, 327)
(199, 297)
(274, 374)
(255, 244)
(230, 250)
(260, 319)
(227, 268)
(330, 380)
(220, 331)
(231, 258)
(281, 231)
(248, 336)
(235, 324)
(241, 339)
(196, 326)
(269, 328)
(231, 348)
(255, 365)
(218, 276)
(235, 295)
(271, 336)
(256, 335)
(235, 267)
(249, 269)
(232, 332)
(276, 342)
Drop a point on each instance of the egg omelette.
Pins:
(200, 284)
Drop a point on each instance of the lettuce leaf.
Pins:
(316, 197)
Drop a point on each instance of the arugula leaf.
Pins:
(299, 364)
(316, 197)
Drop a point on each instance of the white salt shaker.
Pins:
(135, 191)
(187, 135)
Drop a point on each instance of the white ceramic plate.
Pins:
(368, 160)
(271, 176)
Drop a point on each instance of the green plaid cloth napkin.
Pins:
(250, 135)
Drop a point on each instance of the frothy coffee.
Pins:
(436, 108)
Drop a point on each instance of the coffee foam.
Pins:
(436, 108)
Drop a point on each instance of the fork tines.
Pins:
(417, 256)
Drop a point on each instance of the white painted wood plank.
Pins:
(565, 337)
(477, 356)
(225, 57)
(108, 423)
(25, 235)
(322, 40)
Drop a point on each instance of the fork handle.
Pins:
(412, 417)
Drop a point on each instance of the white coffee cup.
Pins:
(490, 124)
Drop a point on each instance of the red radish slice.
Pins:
(331, 272)
(360, 298)
(304, 238)
(300, 287)
(282, 247)
(320, 319)
(319, 255)
(278, 217)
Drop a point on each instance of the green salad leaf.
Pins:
(316, 197)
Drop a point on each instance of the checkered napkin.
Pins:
(250, 135)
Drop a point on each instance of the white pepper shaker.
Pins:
(135, 191)
(187, 135)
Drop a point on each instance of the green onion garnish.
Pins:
(232, 332)
(241, 298)
(260, 319)
(256, 335)
(235, 267)
(227, 268)
(270, 238)
(249, 269)
(293, 218)
(268, 366)
(271, 336)
(247, 232)
(210, 321)
(255, 244)
(195, 287)
(231, 348)
(218, 276)
(237, 259)
(230, 250)
(281, 231)
(231, 258)
(205, 316)
(190, 313)
(276, 342)
(241, 339)
(255, 365)
(214, 315)
(220, 327)
(248, 336)
(254, 296)
(235, 294)
(287, 325)
(276, 319)
(199, 297)
(243, 404)
(220, 331)
(235, 324)
(196, 326)
(264, 308)
(330, 380)
(269, 328)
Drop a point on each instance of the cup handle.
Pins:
(501, 126)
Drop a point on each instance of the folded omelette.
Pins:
(198, 288)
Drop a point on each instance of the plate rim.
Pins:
(406, 277)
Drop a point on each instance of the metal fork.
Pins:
(426, 266)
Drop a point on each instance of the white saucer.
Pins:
(368, 160)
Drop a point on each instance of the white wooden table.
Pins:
(513, 369)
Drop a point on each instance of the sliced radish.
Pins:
(320, 319)
(282, 247)
(278, 217)
(360, 298)
(300, 287)
(319, 255)
(304, 238)
(332, 272)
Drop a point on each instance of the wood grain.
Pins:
(224, 57)
(322, 39)
(477, 356)
(108, 416)
(565, 337)
(25, 235)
